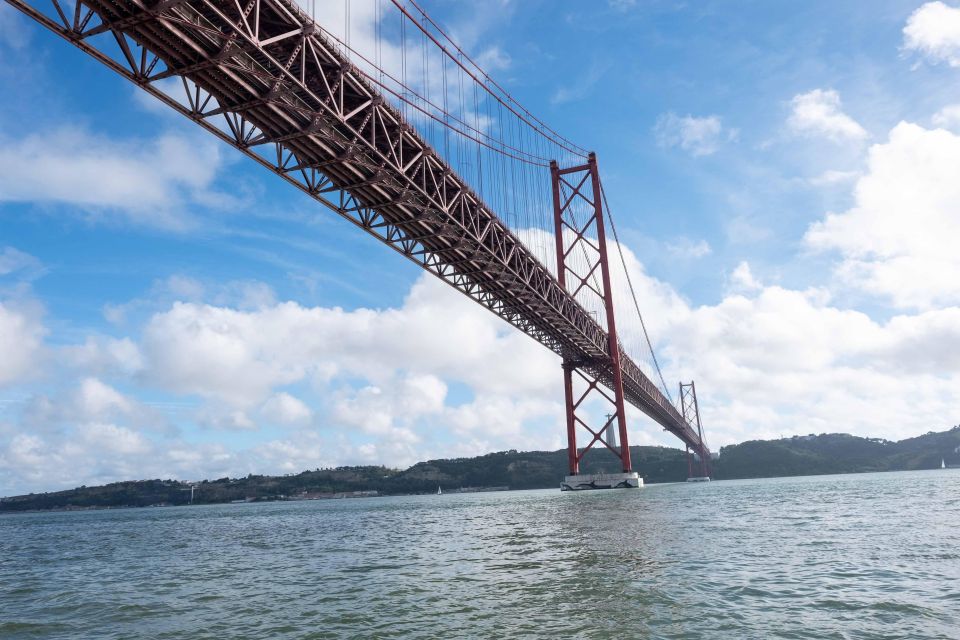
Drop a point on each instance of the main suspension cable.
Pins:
(633, 293)
(540, 127)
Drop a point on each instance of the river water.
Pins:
(851, 556)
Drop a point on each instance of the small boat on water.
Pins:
(439, 492)
(943, 463)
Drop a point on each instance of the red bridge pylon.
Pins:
(691, 413)
(581, 252)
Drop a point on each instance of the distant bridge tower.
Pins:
(582, 252)
(691, 413)
(610, 434)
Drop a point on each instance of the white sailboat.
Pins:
(943, 464)
(439, 492)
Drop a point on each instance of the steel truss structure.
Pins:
(263, 77)
(691, 415)
(579, 188)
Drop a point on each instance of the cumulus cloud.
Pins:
(21, 342)
(90, 401)
(283, 408)
(238, 357)
(819, 113)
(742, 278)
(948, 118)
(100, 452)
(933, 31)
(147, 181)
(95, 399)
(225, 418)
(379, 410)
(898, 241)
(778, 361)
(101, 354)
(699, 136)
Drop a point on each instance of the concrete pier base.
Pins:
(588, 482)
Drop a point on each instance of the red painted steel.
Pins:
(566, 192)
(691, 414)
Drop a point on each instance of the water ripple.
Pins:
(858, 557)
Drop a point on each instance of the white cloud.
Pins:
(91, 401)
(13, 260)
(493, 59)
(698, 136)
(100, 452)
(899, 239)
(111, 439)
(242, 294)
(238, 357)
(21, 343)
(283, 408)
(394, 407)
(99, 354)
(95, 399)
(777, 361)
(933, 31)
(819, 113)
(147, 181)
(948, 118)
(225, 418)
(687, 248)
(499, 418)
(833, 177)
(742, 279)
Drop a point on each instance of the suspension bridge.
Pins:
(370, 108)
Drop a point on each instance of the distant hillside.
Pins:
(801, 455)
(836, 453)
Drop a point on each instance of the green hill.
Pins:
(799, 455)
(836, 453)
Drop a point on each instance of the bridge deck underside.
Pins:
(261, 76)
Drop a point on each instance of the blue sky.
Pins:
(783, 177)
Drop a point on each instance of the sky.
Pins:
(784, 177)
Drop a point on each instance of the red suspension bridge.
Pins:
(371, 109)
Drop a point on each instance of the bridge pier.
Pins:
(586, 482)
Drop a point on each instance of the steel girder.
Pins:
(261, 76)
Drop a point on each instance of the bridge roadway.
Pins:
(260, 75)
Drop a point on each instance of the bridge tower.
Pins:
(691, 414)
(582, 252)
